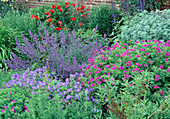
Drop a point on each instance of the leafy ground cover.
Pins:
(63, 66)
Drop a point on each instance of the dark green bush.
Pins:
(101, 16)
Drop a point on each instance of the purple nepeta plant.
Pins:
(64, 60)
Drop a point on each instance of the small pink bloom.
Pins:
(12, 107)
(100, 63)
(131, 49)
(131, 85)
(137, 42)
(121, 68)
(142, 49)
(5, 107)
(122, 102)
(117, 55)
(156, 86)
(13, 101)
(2, 110)
(145, 45)
(13, 110)
(133, 96)
(10, 92)
(162, 92)
(124, 71)
(166, 60)
(82, 83)
(145, 65)
(161, 67)
(89, 72)
(106, 98)
(143, 41)
(155, 40)
(166, 54)
(157, 75)
(156, 78)
(150, 61)
(147, 53)
(92, 84)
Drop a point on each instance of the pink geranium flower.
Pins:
(156, 78)
(162, 92)
(166, 60)
(150, 61)
(166, 54)
(156, 86)
(13, 101)
(2, 110)
(145, 65)
(121, 68)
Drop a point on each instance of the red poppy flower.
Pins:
(79, 24)
(73, 4)
(65, 28)
(50, 20)
(66, 6)
(32, 16)
(53, 6)
(60, 22)
(58, 28)
(82, 7)
(78, 9)
(47, 13)
(36, 17)
(84, 15)
(52, 10)
(41, 13)
(79, 32)
(66, 3)
(73, 19)
(41, 38)
(72, 14)
(81, 11)
(58, 7)
(29, 15)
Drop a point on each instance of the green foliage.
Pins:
(40, 106)
(11, 26)
(88, 34)
(101, 16)
(147, 26)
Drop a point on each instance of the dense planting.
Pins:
(64, 70)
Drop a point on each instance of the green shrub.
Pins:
(88, 34)
(147, 26)
(140, 70)
(101, 16)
